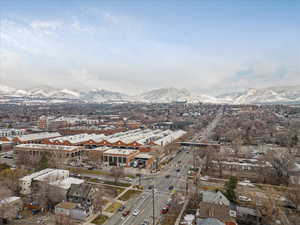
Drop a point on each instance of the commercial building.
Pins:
(60, 151)
(35, 137)
(119, 157)
(9, 132)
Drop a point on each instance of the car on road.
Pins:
(146, 222)
(150, 187)
(136, 212)
(178, 170)
(167, 176)
(121, 208)
(165, 210)
(126, 213)
(171, 187)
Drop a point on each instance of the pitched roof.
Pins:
(79, 190)
(215, 197)
(209, 210)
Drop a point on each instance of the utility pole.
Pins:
(153, 207)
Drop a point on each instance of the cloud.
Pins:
(111, 51)
(45, 25)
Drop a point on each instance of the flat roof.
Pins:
(48, 147)
(119, 151)
(66, 183)
(37, 174)
(144, 156)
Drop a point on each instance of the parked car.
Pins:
(244, 198)
(205, 178)
(164, 210)
(136, 212)
(146, 222)
(171, 187)
(126, 213)
(121, 208)
(167, 176)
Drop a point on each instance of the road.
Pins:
(178, 179)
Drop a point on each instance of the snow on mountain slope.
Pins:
(6, 90)
(285, 94)
(165, 95)
(101, 96)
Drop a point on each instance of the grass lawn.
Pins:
(100, 219)
(117, 183)
(113, 207)
(129, 194)
(86, 171)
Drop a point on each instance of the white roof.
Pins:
(77, 138)
(144, 156)
(37, 136)
(48, 147)
(120, 151)
(66, 183)
(55, 174)
(37, 174)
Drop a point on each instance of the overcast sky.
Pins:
(131, 46)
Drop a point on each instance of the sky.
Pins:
(133, 46)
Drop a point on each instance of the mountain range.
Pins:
(284, 94)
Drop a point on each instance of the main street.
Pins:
(177, 170)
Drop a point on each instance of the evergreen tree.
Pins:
(43, 163)
(230, 187)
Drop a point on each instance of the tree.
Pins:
(7, 210)
(10, 178)
(117, 173)
(281, 165)
(98, 200)
(293, 195)
(230, 187)
(43, 163)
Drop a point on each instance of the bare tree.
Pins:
(281, 165)
(117, 173)
(7, 209)
(10, 178)
(293, 195)
(98, 200)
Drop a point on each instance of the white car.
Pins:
(244, 198)
(205, 178)
(136, 212)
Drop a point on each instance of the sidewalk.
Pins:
(94, 216)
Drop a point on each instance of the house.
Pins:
(59, 188)
(215, 198)
(82, 194)
(220, 212)
(72, 210)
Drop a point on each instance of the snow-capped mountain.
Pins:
(102, 96)
(167, 95)
(284, 94)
